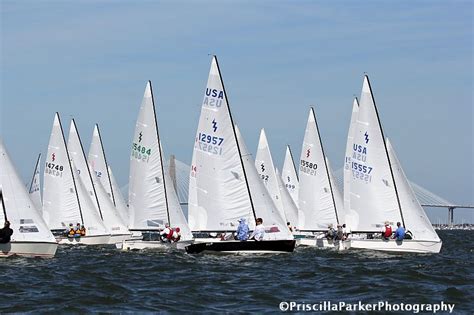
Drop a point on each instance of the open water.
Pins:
(103, 279)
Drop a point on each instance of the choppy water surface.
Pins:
(98, 279)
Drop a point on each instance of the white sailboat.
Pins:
(103, 188)
(31, 236)
(152, 198)
(35, 187)
(224, 185)
(120, 203)
(379, 190)
(290, 176)
(65, 199)
(271, 180)
(320, 201)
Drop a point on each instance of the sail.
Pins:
(263, 204)
(337, 195)
(147, 196)
(266, 171)
(25, 219)
(218, 193)
(372, 190)
(416, 220)
(317, 208)
(60, 202)
(348, 157)
(177, 218)
(120, 203)
(289, 176)
(98, 163)
(35, 187)
(291, 210)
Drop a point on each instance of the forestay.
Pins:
(372, 190)
(25, 220)
(218, 193)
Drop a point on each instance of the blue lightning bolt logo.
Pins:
(214, 125)
(140, 135)
(366, 137)
(308, 153)
(263, 167)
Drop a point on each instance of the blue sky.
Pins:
(91, 59)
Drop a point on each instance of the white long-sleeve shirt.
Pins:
(258, 233)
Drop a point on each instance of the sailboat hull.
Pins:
(119, 238)
(28, 249)
(408, 246)
(323, 243)
(85, 240)
(139, 245)
(277, 246)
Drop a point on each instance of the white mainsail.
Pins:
(266, 171)
(25, 219)
(291, 210)
(372, 189)
(120, 203)
(348, 158)
(317, 207)
(290, 177)
(60, 201)
(416, 220)
(35, 186)
(98, 162)
(91, 210)
(147, 197)
(262, 202)
(218, 191)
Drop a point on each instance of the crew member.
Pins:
(6, 233)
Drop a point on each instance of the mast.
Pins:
(106, 164)
(325, 165)
(70, 167)
(161, 154)
(3, 205)
(386, 152)
(293, 161)
(235, 137)
(34, 173)
(88, 170)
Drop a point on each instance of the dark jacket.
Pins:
(5, 235)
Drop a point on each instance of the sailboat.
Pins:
(224, 185)
(321, 204)
(290, 176)
(152, 198)
(119, 200)
(103, 188)
(31, 236)
(379, 190)
(66, 200)
(272, 181)
(35, 186)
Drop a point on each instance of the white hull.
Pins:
(323, 243)
(119, 238)
(138, 245)
(408, 246)
(28, 249)
(85, 240)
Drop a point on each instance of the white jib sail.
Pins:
(337, 195)
(352, 216)
(26, 221)
(35, 186)
(372, 191)
(317, 208)
(60, 201)
(147, 198)
(291, 210)
(274, 222)
(120, 203)
(289, 176)
(177, 218)
(218, 193)
(416, 220)
(91, 211)
(266, 171)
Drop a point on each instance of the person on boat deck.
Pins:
(175, 235)
(77, 230)
(339, 233)
(83, 230)
(166, 233)
(387, 231)
(6, 233)
(331, 233)
(344, 232)
(259, 231)
(242, 230)
(288, 224)
(399, 232)
(71, 231)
